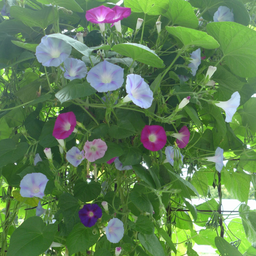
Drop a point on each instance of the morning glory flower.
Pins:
(75, 156)
(115, 230)
(33, 184)
(95, 149)
(64, 125)
(230, 106)
(173, 155)
(183, 78)
(51, 52)
(111, 160)
(217, 159)
(210, 71)
(39, 209)
(138, 91)
(119, 166)
(195, 61)
(118, 251)
(89, 214)
(153, 137)
(106, 77)
(223, 14)
(182, 137)
(75, 69)
(37, 159)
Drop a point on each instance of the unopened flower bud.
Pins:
(62, 143)
(80, 37)
(184, 102)
(105, 205)
(211, 70)
(139, 23)
(210, 83)
(48, 153)
(118, 251)
(158, 26)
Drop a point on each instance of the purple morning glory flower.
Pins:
(33, 184)
(106, 77)
(75, 156)
(119, 166)
(173, 154)
(223, 14)
(138, 91)
(75, 69)
(217, 159)
(230, 106)
(39, 209)
(195, 61)
(89, 214)
(115, 230)
(51, 52)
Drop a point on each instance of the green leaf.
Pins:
(247, 161)
(131, 156)
(30, 47)
(248, 114)
(123, 129)
(250, 252)
(200, 182)
(46, 139)
(74, 90)
(167, 238)
(144, 225)
(225, 248)
(192, 113)
(31, 238)
(42, 18)
(191, 208)
(183, 220)
(237, 184)
(144, 175)
(81, 238)
(151, 244)
(237, 43)
(141, 201)
(68, 4)
(191, 252)
(205, 237)
(139, 53)
(181, 13)
(150, 7)
(101, 252)
(189, 37)
(87, 192)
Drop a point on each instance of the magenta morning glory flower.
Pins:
(111, 160)
(33, 184)
(106, 77)
(173, 155)
(115, 230)
(75, 156)
(119, 166)
(223, 14)
(75, 69)
(64, 125)
(217, 159)
(95, 149)
(195, 61)
(89, 214)
(120, 13)
(230, 106)
(153, 137)
(51, 52)
(182, 137)
(138, 91)
(39, 209)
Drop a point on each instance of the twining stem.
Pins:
(220, 204)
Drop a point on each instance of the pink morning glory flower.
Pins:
(119, 166)
(115, 230)
(64, 125)
(111, 160)
(223, 14)
(89, 214)
(230, 106)
(182, 137)
(39, 209)
(173, 155)
(195, 61)
(51, 52)
(95, 149)
(106, 77)
(75, 156)
(75, 69)
(217, 159)
(153, 137)
(33, 184)
(138, 91)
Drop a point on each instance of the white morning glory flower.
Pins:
(195, 61)
(217, 159)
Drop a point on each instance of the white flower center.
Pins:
(93, 149)
(55, 53)
(72, 72)
(90, 214)
(35, 190)
(152, 137)
(106, 78)
(78, 157)
(67, 126)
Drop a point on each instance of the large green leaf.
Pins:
(30, 47)
(123, 129)
(87, 192)
(225, 248)
(31, 238)
(248, 161)
(205, 237)
(200, 182)
(181, 13)
(166, 237)
(150, 7)
(74, 90)
(139, 53)
(248, 114)
(81, 238)
(182, 220)
(144, 175)
(68, 4)
(189, 36)
(237, 43)
(144, 225)
(151, 244)
(131, 156)
(42, 18)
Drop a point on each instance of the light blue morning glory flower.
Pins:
(74, 156)
(173, 154)
(75, 69)
(223, 14)
(195, 61)
(119, 166)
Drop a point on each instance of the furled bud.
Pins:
(80, 37)
(105, 205)
(139, 23)
(158, 26)
(184, 102)
(48, 153)
(118, 251)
